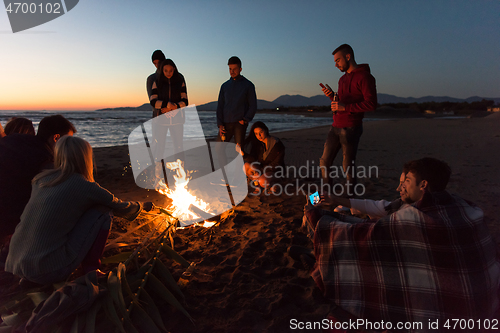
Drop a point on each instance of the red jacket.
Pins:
(358, 92)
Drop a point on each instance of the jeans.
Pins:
(311, 217)
(234, 129)
(160, 136)
(348, 139)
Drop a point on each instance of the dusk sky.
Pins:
(98, 54)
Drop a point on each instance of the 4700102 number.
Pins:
(33, 8)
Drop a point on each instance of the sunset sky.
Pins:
(98, 55)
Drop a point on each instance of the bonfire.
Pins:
(185, 206)
(125, 293)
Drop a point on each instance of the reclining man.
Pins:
(431, 257)
(373, 208)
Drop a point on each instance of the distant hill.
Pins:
(386, 99)
(261, 104)
(212, 106)
(143, 107)
(299, 100)
(319, 100)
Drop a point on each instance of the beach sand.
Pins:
(244, 280)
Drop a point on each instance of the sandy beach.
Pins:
(245, 281)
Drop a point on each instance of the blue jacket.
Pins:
(237, 101)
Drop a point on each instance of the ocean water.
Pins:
(112, 128)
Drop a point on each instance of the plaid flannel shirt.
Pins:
(430, 260)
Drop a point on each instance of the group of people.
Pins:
(425, 256)
(236, 107)
(55, 217)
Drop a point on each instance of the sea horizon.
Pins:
(112, 128)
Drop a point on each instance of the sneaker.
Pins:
(100, 273)
(308, 261)
(342, 209)
(304, 255)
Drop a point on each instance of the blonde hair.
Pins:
(71, 155)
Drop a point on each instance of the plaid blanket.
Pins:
(430, 260)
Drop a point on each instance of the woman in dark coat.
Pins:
(169, 96)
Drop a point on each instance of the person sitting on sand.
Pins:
(432, 258)
(2, 132)
(22, 157)
(19, 125)
(265, 154)
(373, 208)
(67, 219)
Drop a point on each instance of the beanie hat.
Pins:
(158, 55)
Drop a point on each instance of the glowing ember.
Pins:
(207, 224)
(203, 224)
(184, 206)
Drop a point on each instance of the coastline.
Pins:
(245, 281)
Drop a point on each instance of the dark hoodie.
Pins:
(22, 157)
(358, 92)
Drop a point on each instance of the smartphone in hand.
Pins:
(327, 87)
(314, 198)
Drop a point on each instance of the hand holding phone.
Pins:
(314, 198)
(326, 89)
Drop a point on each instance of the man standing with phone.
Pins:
(357, 94)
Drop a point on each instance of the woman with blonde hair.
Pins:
(67, 219)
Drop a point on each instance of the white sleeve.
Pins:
(372, 208)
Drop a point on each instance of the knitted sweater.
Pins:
(169, 91)
(40, 242)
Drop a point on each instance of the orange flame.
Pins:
(182, 199)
